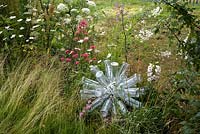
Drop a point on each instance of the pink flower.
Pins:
(71, 52)
(75, 56)
(92, 47)
(85, 55)
(89, 101)
(67, 51)
(85, 39)
(87, 107)
(62, 58)
(77, 49)
(77, 62)
(81, 114)
(68, 60)
(83, 23)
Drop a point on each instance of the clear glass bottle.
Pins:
(94, 69)
(88, 83)
(109, 70)
(132, 102)
(101, 78)
(131, 82)
(106, 107)
(122, 107)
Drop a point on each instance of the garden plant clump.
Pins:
(50, 47)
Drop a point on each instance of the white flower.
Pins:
(165, 54)
(31, 38)
(78, 49)
(155, 12)
(85, 10)
(13, 36)
(67, 20)
(89, 18)
(99, 61)
(52, 30)
(81, 41)
(89, 50)
(157, 69)
(21, 28)
(28, 19)
(153, 72)
(74, 10)
(4, 39)
(62, 7)
(109, 55)
(7, 27)
(79, 18)
(27, 40)
(91, 3)
(145, 34)
(143, 21)
(38, 20)
(1, 32)
(19, 20)
(20, 36)
(12, 17)
(97, 51)
(36, 26)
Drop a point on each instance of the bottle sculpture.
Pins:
(113, 92)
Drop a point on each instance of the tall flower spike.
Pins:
(113, 92)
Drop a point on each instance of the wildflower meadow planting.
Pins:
(99, 67)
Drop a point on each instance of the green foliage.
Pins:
(180, 20)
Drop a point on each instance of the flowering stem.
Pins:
(125, 37)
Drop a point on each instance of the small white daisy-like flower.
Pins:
(81, 41)
(20, 36)
(7, 27)
(62, 7)
(12, 17)
(153, 72)
(74, 10)
(79, 18)
(99, 61)
(91, 3)
(109, 55)
(21, 28)
(13, 36)
(78, 49)
(38, 20)
(31, 38)
(27, 40)
(67, 20)
(28, 19)
(85, 10)
(1, 32)
(165, 54)
(155, 12)
(36, 26)
(19, 20)
(97, 51)
(89, 50)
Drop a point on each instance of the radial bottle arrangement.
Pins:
(113, 91)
